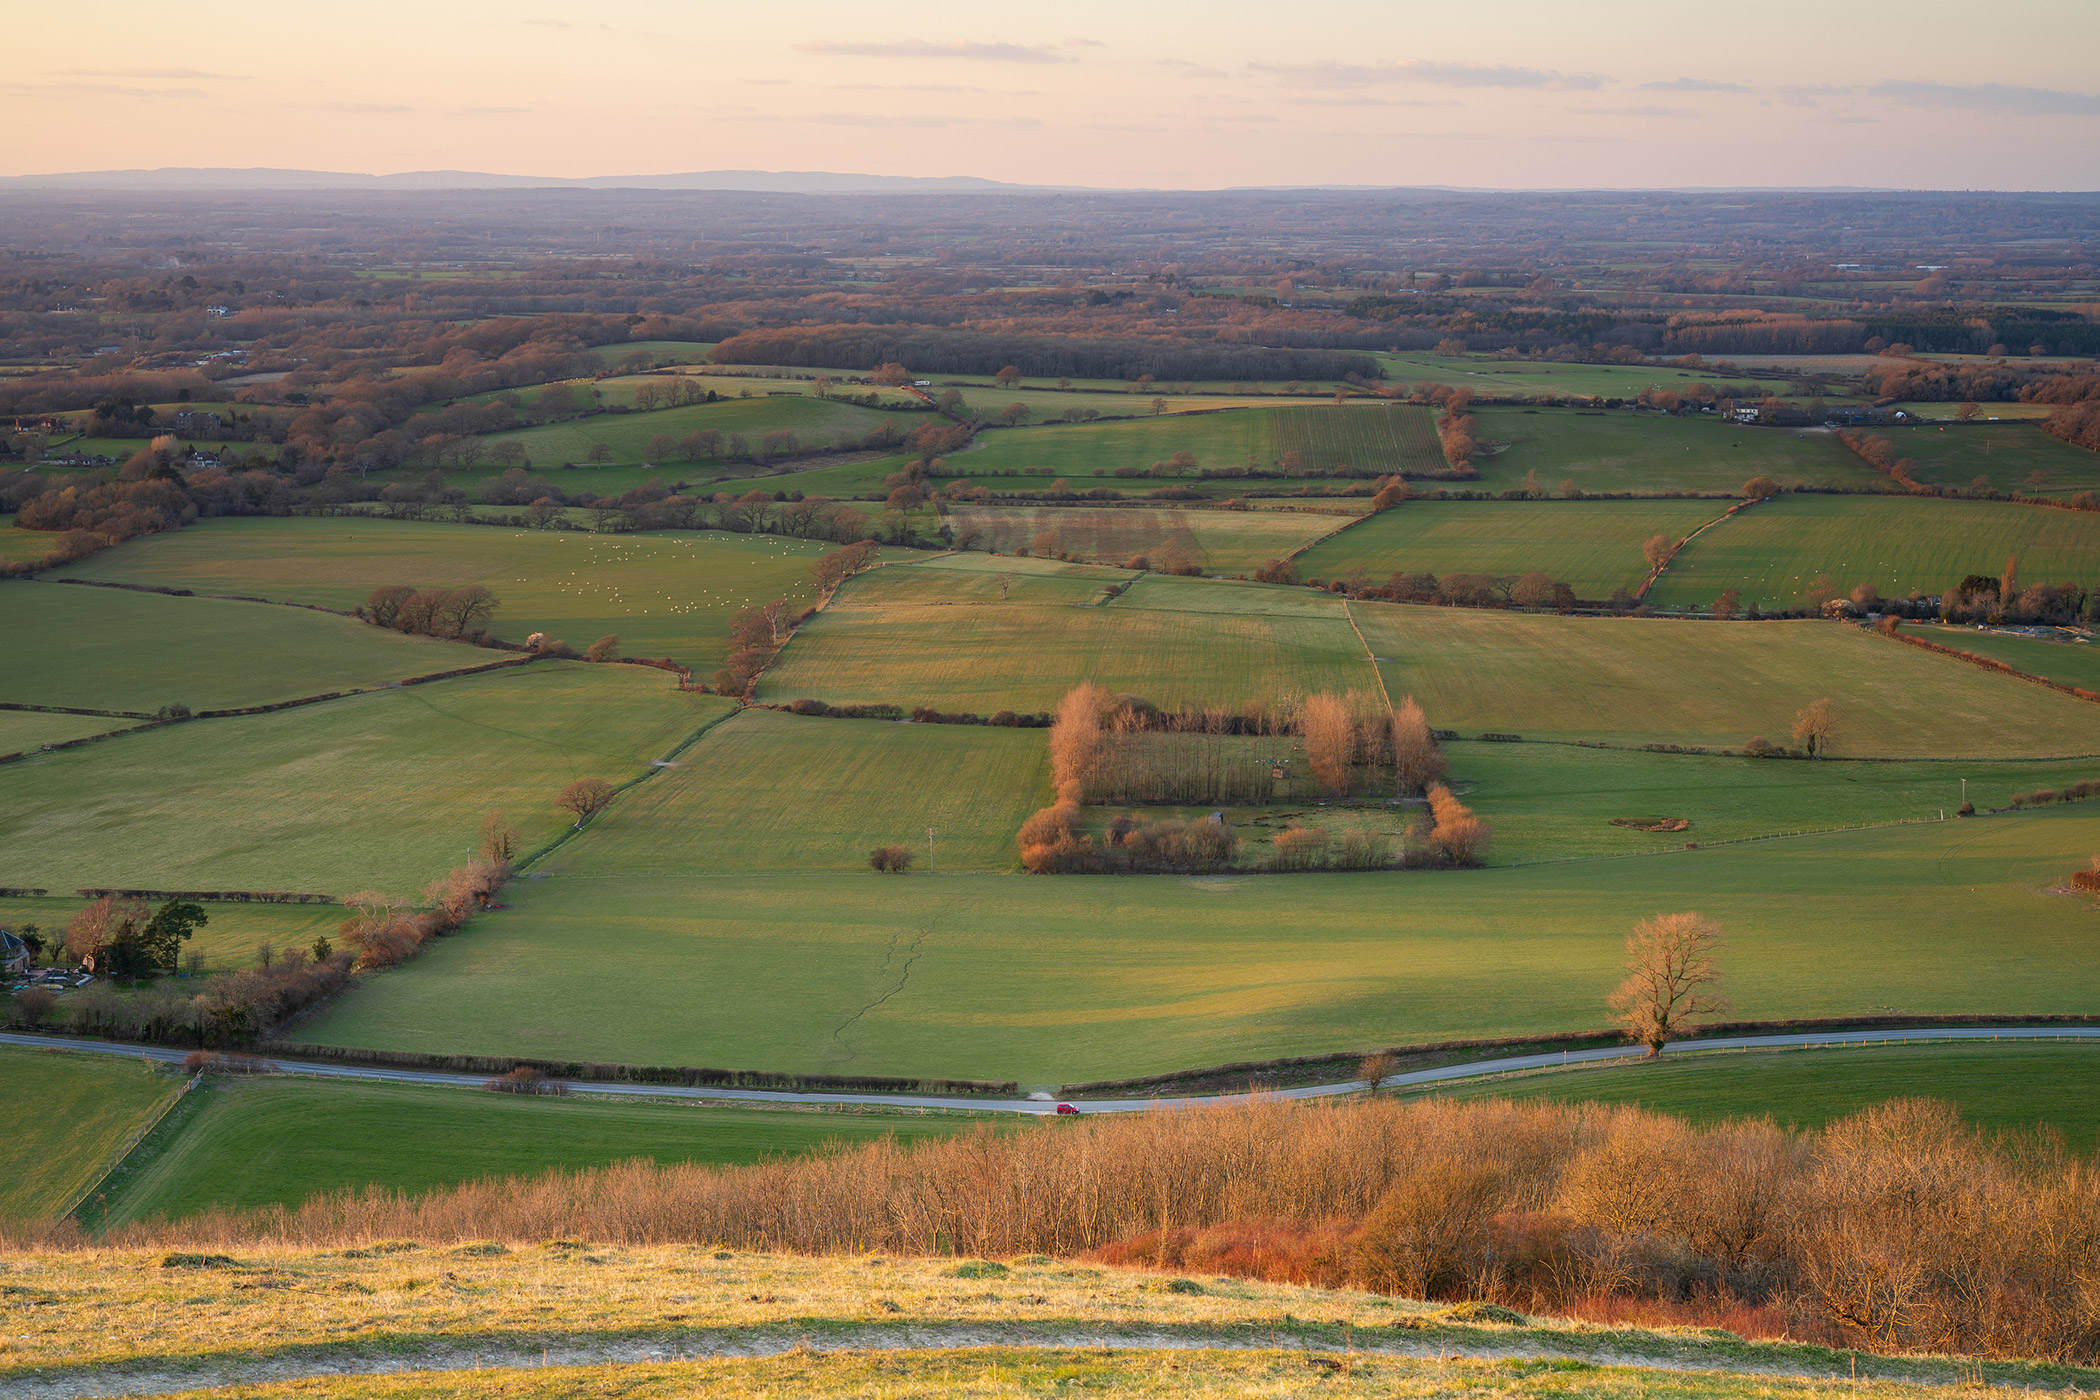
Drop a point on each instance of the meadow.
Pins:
(382, 790)
(1488, 377)
(1592, 546)
(1774, 552)
(1221, 541)
(1650, 680)
(2001, 1087)
(21, 730)
(113, 649)
(1061, 978)
(1229, 438)
(2005, 454)
(2066, 663)
(68, 1118)
(815, 422)
(226, 943)
(241, 1143)
(914, 636)
(663, 594)
(771, 791)
(1617, 450)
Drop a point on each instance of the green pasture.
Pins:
(226, 943)
(1233, 598)
(1222, 541)
(1592, 546)
(1617, 450)
(239, 1144)
(1488, 377)
(2005, 455)
(663, 352)
(662, 594)
(113, 649)
(1077, 451)
(816, 422)
(382, 790)
(22, 546)
(914, 636)
(771, 791)
(2005, 1086)
(21, 730)
(1647, 680)
(840, 481)
(2067, 663)
(64, 1118)
(1058, 978)
(1775, 551)
(1557, 802)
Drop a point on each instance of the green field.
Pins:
(1647, 680)
(1488, 377)
(2067, 663)
(1554, 802)
(113, 649)
(1592, 546)
(2007, 1086)
(1079, 452)
(770, 791)
(21, 730)
(912, 635)
(1774, 551)
(64, 1118)
(244, 1143)
(1622, 451)
(1221, 541)
(816, 422)
(381, 790)
(1057, 978)
(227, 942)
(664, 595)
(2005, 454)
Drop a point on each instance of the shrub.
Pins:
(1761, 747)
(526, 1080)
(891, 860)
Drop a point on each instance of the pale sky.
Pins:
(1942, 94)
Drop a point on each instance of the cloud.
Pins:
(1084, 44)
(1466, 75)
(1365, 99)
(1637, 110)
(1990, 97)
(1194, 70)
(186, 74)
(100, 90)
(893, 119)
(361, 109)
(1693, 85)
(930, 87)
(928, 48)
(565, 24)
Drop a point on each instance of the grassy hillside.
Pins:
(1079, 450)
(663, 594)
(245, 1143)
(2067, 663)
(769, 791)
(2006, 455)
(385, 789)
(1710, 683)
(2005, 1086)
(1774, 551)
(1220, 541)
(918, 637)
(1061, 978)
(112, 649)
(228, 941)
(21, 730)
(64, 1118)
(1592, 546)
(1485, 376)
(816, 422)
(1620, 451)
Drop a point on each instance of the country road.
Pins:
(1411, 1079)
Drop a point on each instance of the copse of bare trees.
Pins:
(1417, 760)
(1461, 836)
(1672, 966)
(432, 612)
(1816, 727)
(755, 638)
(890, 860)
(835, 568)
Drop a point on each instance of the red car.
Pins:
(1064, 1108)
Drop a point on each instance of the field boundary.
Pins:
(1989, 664)
(1658, 571)
(1369, 655)
(131, 1145)
(655, 766)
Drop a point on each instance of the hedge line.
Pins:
(600, 1073)
(1990, 665)
(69, 710)
(215, 896)
(20, 892)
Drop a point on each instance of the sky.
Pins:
(1940, 94)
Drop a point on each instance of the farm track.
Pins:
(1475, 1069)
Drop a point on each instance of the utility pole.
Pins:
(929, 848)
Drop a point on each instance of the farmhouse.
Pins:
(14, 955)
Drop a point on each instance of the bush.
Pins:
(891, 860)
(526, 1080)
(1761, 747)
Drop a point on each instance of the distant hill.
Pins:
(265, 178)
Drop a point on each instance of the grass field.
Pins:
(769, 791)
(2006, 1086)
(382, 790)
(664, 595)
(21, 730)
(225, 943)
(245, 1143)
(112, 649)
(63, 1120)
(2067, 663)
(1485, 376)
(1060, 978)
(1647, 680)
(1621, 451)
(1221, 541)
(1774, 551)
(2005, 454)
(1078, 452)
(913, 635)
(1592, 546)
(816, 422)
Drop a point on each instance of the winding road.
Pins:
(1410, 1079)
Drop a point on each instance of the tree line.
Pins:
(965, 351)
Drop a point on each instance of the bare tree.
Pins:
(585, 798)
(1417, 761)
(1460, 835)
(1375, 1068)
(1330, 740)
(1815, 728)
(1670, 969)
(606, 648)
(1657, 550)
(499, 839)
